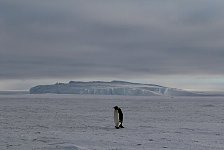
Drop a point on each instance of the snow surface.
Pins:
(75, 122)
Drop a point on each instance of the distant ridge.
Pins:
(110, 88)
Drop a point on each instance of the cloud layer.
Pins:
(86, 39)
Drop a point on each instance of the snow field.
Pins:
(74, 122)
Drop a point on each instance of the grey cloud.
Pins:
(86, 38)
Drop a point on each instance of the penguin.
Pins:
(118, 117)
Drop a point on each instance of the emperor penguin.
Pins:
(118, 117)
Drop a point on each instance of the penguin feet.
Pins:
(121, 126)
(116, 127)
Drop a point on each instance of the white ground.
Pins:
(71, 122)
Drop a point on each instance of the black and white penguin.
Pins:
(118, 117)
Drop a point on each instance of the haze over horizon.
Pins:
(170, 43)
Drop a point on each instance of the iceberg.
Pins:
(110, 88)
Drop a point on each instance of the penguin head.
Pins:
(116, 107)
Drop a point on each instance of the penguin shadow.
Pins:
(110, 128)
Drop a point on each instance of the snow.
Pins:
(80, 122)
(110, 88)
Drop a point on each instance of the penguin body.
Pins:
(120, 115)
(116, 118)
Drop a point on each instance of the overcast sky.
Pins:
(172, 43)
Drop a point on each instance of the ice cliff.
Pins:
(109, 88)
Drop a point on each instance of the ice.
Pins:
(110, 88)
(80, 122)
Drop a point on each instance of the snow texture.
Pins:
(76, 122)
(109, 88)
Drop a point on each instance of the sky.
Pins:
(172, 43)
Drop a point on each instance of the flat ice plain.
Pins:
(74, 122)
